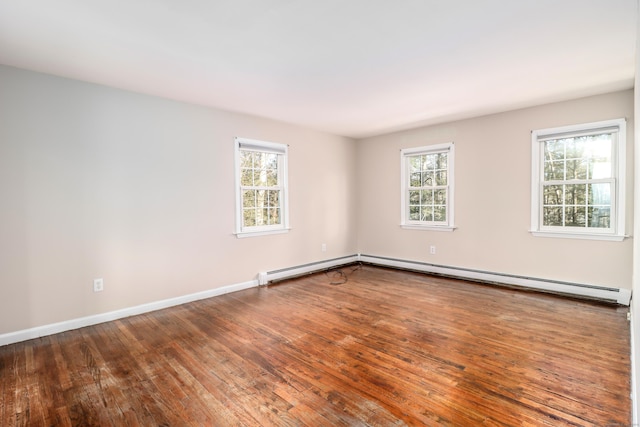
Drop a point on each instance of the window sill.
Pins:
(584, 236)
(428, 227)
(244, 234)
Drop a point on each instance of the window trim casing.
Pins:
(618, 159)
(448, 147)
(270, 147)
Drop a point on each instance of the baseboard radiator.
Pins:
(300, 270)
(616, 295)
(602, 293)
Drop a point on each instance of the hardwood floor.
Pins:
(385, 348)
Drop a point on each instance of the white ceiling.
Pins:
(349, 67)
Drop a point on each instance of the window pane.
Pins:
(415, 180)
(440, 197)
(576, 169)
(414, 164)
(249, 198)
(440, 213)
(261, 199)
(273, 216)
(414, 213)
(598, 154)
(575, 147)
(246, 177)
(246, 159)
(599, 217)
(554, 150)
(259, 217)
(429, 162)
(426, 197)
(271, 161)
(575, 194)
(552, 194)
(575, 216)
(552, 216)
(427, 179)
(249, 217)
(266, 216)
(260, 177)
(273, 199)
(258, 160)
(600, 168)
(427, 213)
(554, 170)
(441, 162)
(441, 178)
(272, 178)
(600, 194)
(414, 197)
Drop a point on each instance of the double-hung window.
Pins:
(578, 181)
(427, 187)
(261, 187)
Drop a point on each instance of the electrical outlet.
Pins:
(432, 250)
(324, 247)
(98, 285)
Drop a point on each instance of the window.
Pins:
(578, 181)
(427, 187)
(261, 187)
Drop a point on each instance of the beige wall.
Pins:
(492, 197)
(99, 182)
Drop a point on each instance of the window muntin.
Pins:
(427, 183)
(579, 180)
(261, 186)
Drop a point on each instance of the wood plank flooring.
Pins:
(383, 348)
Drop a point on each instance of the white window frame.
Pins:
(618, 165)
(405, 154)
(282, 150)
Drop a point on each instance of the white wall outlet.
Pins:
(324, 247)
(98, 285)
(432, 250)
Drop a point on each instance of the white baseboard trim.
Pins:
(287, 273)
(618, 295)
(54, 328)
(263, 278)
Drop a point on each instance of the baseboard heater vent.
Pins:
(288, 273)
(617, 295)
